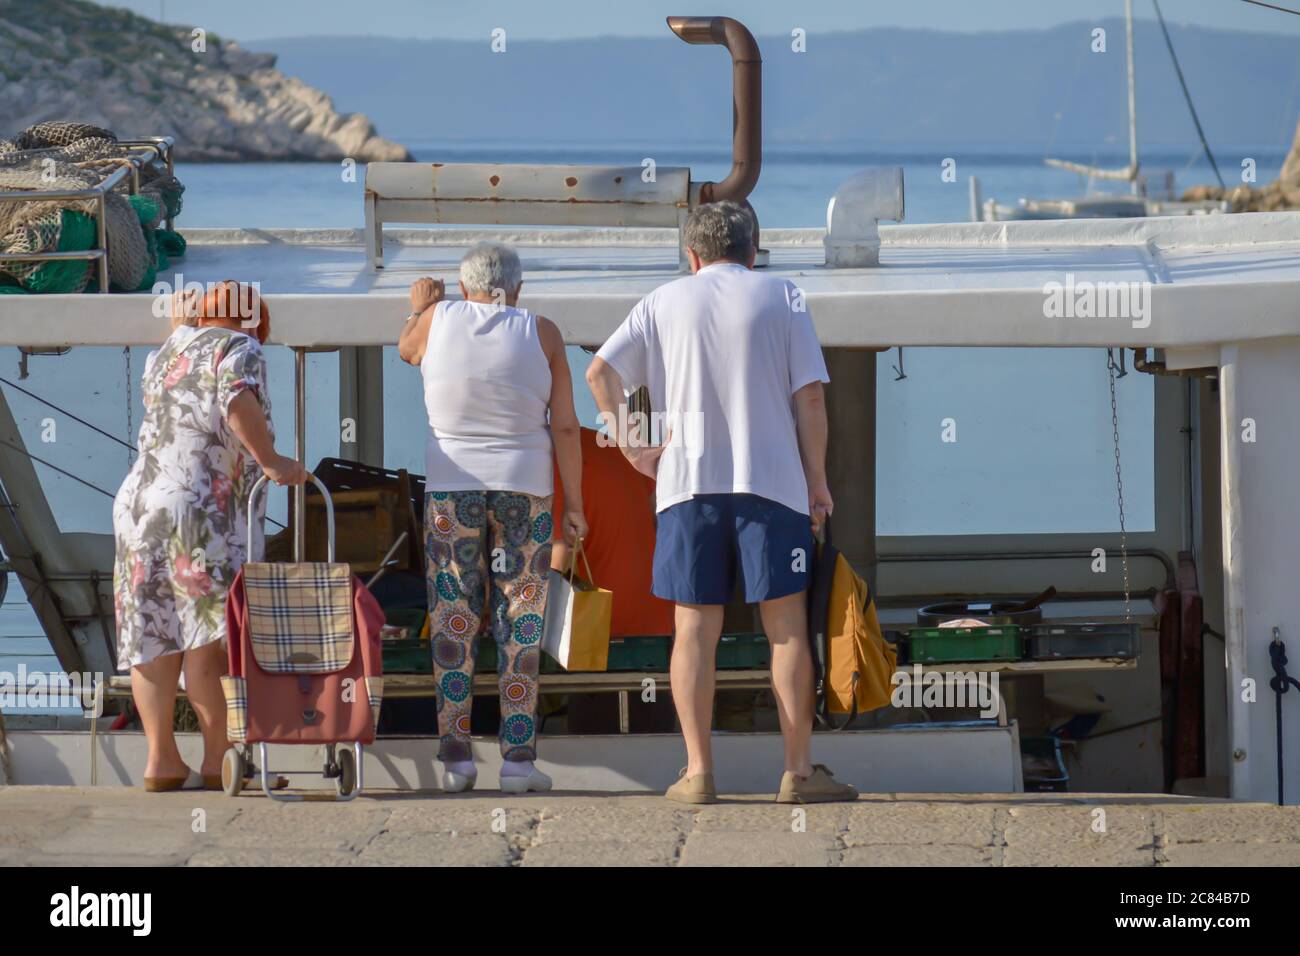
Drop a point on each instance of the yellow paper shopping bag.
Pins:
(575, 630)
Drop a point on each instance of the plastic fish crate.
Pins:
(951, 645)
(409, 654)
(635, 653)
(412, 656)
(416, 657)
(639, 653)
(1049, 642)
(407, 657)
(744, 652)
(411, 619)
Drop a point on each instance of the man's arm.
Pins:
(565, 430)
(812, 429)
(607, 388)
(425, 294)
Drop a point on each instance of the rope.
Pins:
(1281, 682)
(61, 471)
(1259, 3)
(64, 411)
(1187, 94)
(68, 474)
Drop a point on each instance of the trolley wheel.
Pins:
(233, 766)
(346, 781)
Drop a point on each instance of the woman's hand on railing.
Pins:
(426, 292)
(184, 308)
(285, 471)
(574, 526)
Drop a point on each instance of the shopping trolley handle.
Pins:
(329, 512)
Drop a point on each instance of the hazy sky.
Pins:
(557, 19)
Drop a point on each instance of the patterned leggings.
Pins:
(493, 547)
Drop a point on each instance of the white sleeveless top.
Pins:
(487, 387)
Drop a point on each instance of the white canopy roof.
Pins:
(1209, 279)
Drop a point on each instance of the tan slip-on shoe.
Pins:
(192, 781)
(818, 787)
(696, 789)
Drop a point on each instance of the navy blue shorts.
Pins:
(700, 543)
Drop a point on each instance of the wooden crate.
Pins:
(366, 523)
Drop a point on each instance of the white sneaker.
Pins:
(535, 781)
(453, 782)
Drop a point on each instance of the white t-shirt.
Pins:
(722, 353)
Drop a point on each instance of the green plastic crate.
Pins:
(744, 652)
(639, 654)
(416, 657)
(407, 657)
(413, 656)
(1045, 642)
(965, 645)
(411, 619)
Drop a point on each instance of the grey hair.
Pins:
(720, 230)
(489, 266)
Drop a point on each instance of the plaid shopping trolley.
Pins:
(305, 664)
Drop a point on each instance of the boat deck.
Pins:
(977, 284)
(102, 827)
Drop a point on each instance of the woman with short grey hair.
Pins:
(500, 402)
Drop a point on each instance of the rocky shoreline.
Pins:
(72, 60)
(1281, 194)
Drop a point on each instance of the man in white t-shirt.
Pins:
(734, 369)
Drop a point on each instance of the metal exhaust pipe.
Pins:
(746, 101)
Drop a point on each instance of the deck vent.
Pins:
(854, 213)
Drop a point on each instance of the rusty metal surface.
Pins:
(746, 101)
(497, 193)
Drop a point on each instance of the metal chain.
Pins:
(1119, 486)
(130, 429)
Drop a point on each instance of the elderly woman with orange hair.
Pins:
(180, 518)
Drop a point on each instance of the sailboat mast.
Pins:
(1129, 172)
(1132, 100)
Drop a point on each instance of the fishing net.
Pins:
(72, 156)
(57, 134)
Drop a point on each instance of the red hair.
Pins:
(235, 300)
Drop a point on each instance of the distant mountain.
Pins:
(76, 61)
(886, 87)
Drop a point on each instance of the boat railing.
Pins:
(125, 169)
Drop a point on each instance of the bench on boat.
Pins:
(423, 686)
(517, 195)
(408, 686)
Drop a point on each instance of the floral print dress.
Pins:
(180, 516)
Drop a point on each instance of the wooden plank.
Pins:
(423, 685)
